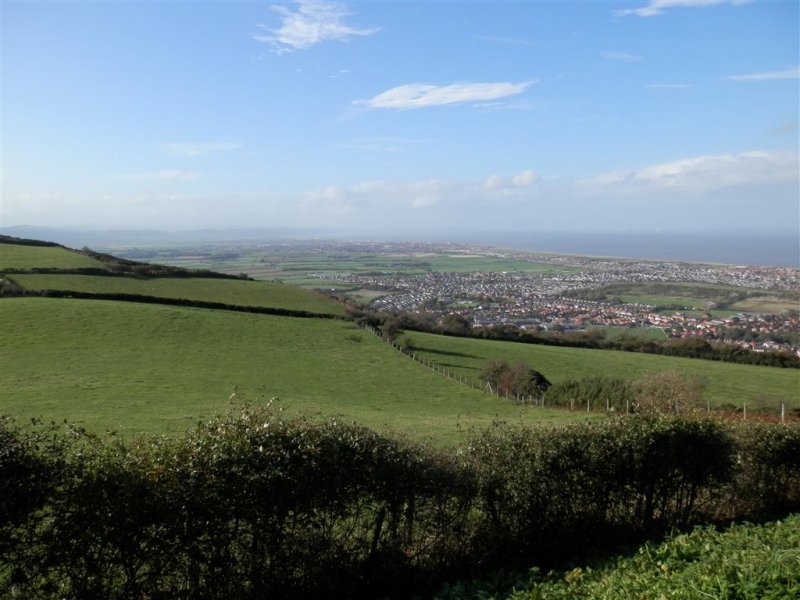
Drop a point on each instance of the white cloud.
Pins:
(199, 148)
(657, 7)
(312, 23)
(420, 95)
(702, 174)
(793, 73)
(620, 56)
(387, 197)
(527, 177)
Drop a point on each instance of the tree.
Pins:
(516, 380)
(668, 392)
(456, 324)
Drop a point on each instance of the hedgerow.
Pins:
(255, 505)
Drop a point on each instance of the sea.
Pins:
(781, 249)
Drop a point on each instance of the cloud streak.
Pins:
(657, 7)
(702, 174)
(620, 56)
(793, 73)
(421, 95)
(313, 22)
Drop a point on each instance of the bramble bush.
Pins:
(254, 505)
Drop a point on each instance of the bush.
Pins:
(255, 505)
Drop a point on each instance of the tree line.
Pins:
(391, 323)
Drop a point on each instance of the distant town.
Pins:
(757, 308)
(557, 300)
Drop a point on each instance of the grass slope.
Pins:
(727, 382)
(228, 291)
(15, 256)
(132, 367)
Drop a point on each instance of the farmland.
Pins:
(131, 367)
(759, 387)
(14, 256)
(238, 390)
(227, 291)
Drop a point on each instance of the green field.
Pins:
(139, 367)
(227, 291)
(294, 267)
(728, 383)
(15, 256)
(640, 333)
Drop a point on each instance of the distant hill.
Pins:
(77, 237)
(36, 266)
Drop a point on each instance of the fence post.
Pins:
(744, 411)
(783, 412)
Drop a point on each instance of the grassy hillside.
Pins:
(13, 256)
(727, 383)
(228, 291)
(132, 367)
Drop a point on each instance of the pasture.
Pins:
(227, 291)
(727, 383)
(15, 256)
(133, 367)
(295, 266)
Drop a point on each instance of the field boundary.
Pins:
(181, 302)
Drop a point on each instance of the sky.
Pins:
(641, 116)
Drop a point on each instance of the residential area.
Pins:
(561, 300)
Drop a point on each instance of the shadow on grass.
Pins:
(445, 352)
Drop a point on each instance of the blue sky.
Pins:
(651, 115)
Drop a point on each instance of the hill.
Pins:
(36, 268)
(139, 367)
(727, 383)
(131, 366)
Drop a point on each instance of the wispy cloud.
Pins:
(421, 95)
(668, 86)
(166, 175)
(620, 56)
(657, 7)
(793, 73)
(701, 174)
(199, 148)
(509, 41)
(311, 23)
(382, 195)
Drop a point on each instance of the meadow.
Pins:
(132, 367)
(294, 267)
(14, 256)
(227, 291)
(727, 383)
